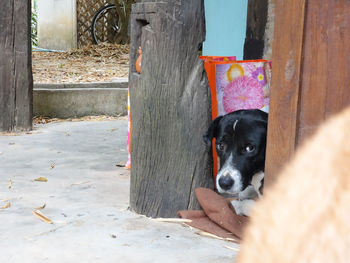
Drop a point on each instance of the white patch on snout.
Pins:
(229, 170)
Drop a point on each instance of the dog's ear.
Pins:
(212, 131)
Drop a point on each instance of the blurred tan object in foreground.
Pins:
(305, 216)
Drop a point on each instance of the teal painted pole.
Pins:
(225, 27)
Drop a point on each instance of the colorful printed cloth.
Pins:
(236, 85)
(242, 85)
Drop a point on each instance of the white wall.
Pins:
(57, 24)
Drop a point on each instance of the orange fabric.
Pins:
(212, 61)
(209, 66)
(210, 70)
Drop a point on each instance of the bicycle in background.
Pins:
(105, 25)
(110, 23)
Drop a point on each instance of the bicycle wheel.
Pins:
(105, 25)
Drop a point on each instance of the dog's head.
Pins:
(240, 144)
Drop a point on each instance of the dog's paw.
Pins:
(243, 207)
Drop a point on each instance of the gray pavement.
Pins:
(86, 197)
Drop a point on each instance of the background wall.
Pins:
(57, 24)
(225, 27)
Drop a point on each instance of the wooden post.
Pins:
(286, 63)
(16, 82)
(311, 74)
(170, 108)
(256, 24)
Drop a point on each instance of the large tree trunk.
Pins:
(16, 82)
(170, 108)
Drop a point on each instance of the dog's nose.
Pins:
(226, 181)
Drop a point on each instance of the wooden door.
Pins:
(311, 73)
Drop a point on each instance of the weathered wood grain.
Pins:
(16, 82)
(326, 69)
(311, 74)
(285, 84)
(170, 108)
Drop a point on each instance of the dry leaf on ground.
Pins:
(41, 179)
(93, 63)
(40, 207)
(44, 120)
(121, 164)
(7, 205)
(42, 217)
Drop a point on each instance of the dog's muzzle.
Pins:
(229, 181)
(226, 181)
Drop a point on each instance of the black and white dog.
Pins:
(241, 145)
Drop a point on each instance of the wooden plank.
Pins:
(314, 83)
(320, 89)
(170, 108)
(286, 64)
(16, 83)
(326, 70)
(338, 57)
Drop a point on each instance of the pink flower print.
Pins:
(259, 75)
(266, 101)
(243, 93)
(249, 67)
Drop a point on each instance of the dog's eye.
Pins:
(220, 146)
(249, 148)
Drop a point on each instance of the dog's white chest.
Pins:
(246, 197)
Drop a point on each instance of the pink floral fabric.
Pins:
(243, 85)
(243, 93)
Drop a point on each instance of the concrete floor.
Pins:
(86, 197)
